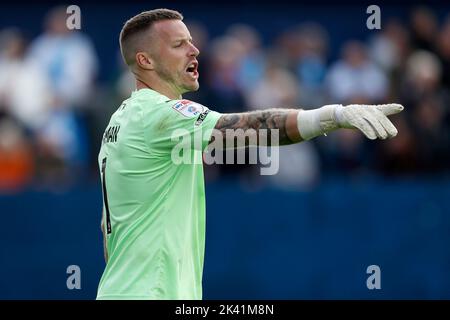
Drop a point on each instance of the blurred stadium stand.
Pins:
(339, 203)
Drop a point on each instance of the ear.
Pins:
(144, 61)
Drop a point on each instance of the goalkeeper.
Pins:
(153, 218)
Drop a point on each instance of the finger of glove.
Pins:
(362, 125)
(388, 126)
(390, 109)
(374, 122)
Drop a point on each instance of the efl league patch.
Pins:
(188, 108)
(201, 117)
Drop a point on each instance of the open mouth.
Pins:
(192, 69)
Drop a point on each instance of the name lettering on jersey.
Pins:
(201, 117)
(110, 134)
(189, 108)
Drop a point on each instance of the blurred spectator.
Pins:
(252, 61)
(422, 75)
(443, 45)
(24, 88)
(390, 46)
(422, 80)
(276, 88)
(298, 164)
(389, 49)
(68, 57)
(288, 47)
(310, 64)
(355, 77)
(225, 93)
(70, 62)
(424, 28)
(426, 123)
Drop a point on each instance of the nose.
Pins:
(194, 52)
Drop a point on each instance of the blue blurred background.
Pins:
(337, 205)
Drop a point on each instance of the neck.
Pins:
(158, 87)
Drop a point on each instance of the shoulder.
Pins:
(148, 100)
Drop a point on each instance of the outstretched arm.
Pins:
(292, 126)
(283, 120)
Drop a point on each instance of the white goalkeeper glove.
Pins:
(369, 119)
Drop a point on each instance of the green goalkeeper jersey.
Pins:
(154, 198)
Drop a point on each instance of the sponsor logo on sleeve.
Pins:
(189, 109)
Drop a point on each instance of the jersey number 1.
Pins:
(105, 197)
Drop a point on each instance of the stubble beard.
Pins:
(172, 77)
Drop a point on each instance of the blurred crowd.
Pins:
(51, 118)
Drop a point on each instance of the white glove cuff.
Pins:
(312, 123)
